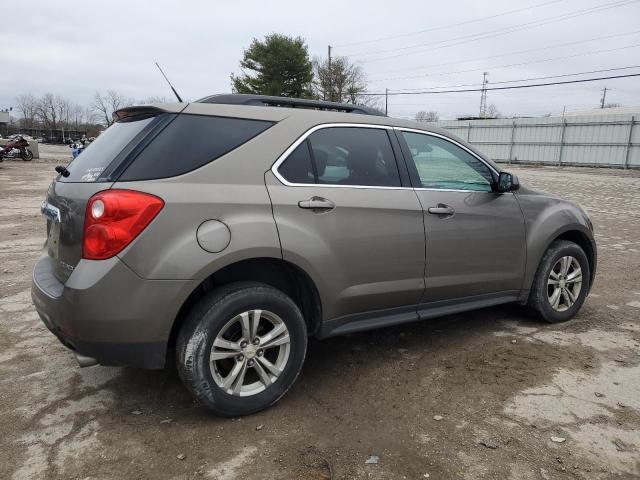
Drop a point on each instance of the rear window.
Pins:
(89, 165)
(189, 142)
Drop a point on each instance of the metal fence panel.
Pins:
(596, 140)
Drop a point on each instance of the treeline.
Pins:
(55, 112)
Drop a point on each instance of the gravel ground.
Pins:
(474, 396)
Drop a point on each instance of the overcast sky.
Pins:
(75, 48)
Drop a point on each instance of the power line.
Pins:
(424, 92)
(497, 32)
(567, 74)
(606, 37)
(402, 35)
(524, 79)
(441, 74)
(494, 33)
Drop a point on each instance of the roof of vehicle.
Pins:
(272, 101)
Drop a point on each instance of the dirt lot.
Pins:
(499, 384)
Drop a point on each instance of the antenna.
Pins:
(165, 77)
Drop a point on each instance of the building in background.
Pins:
(4, 123)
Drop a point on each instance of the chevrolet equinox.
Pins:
(225, 232)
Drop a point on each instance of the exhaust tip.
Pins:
(85, 361)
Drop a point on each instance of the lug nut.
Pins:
(240, 358)
(260, 353)
(256, 341)
(243, 344)
(250, 363)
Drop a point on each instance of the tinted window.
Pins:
(189, 142)
(88, 166)
(354, 156)
(442, 164)
(297, 167)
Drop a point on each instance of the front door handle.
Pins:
(317, 204)
(441, 209)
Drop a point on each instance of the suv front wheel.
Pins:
(561, 283)
(241, 348)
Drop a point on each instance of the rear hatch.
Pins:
(92, 171)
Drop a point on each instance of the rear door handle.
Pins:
(317, 204)
(441, 209)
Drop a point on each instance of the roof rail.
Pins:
(269, 101)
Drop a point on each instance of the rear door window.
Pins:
(189, 142)
(353, 156)
(89, 165)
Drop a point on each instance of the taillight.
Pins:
(114, 218)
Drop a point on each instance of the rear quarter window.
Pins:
(189, 142)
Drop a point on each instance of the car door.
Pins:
(475, 236)
(345, 216)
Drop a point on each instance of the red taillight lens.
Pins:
(114, 218)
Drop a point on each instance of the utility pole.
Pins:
(386, 101)
(483, 95)
(604, 96)
(330, 72)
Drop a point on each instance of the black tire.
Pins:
(27, 155)
(538, 297)
(204, 322)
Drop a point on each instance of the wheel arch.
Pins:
(578, 235)
(278, 273)
(582, 240)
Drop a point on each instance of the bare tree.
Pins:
(153, 99)
(105, 105)
(48, 110)
(493, 112)
(65, 111)
(89, 115)
(342, 82)
(77, 116)
(424, 117)
(27, 105)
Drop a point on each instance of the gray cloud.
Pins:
(76, 48)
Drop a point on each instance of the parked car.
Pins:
(281, 219)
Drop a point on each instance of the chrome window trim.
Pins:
(451, 140)
(305, 135)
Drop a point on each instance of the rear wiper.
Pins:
(62, 170)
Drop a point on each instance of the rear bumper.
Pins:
(107, 312)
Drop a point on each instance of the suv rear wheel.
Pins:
(561, 283)
(241, 348)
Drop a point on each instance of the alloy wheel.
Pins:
(250, 352)
(564, 283)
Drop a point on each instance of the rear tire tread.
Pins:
(190, 342)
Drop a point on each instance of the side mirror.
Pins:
(507, 182)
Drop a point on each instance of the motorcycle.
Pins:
(16, 148)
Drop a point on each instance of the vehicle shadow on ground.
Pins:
(160, 391)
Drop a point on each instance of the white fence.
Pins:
(589, 140)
